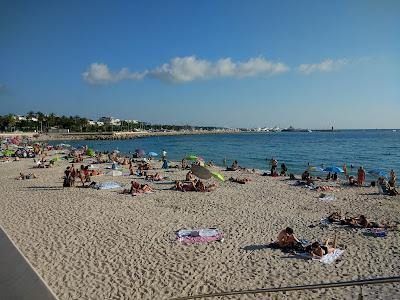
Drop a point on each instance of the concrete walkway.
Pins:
(18, 280)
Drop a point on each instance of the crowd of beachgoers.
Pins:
(85, 168)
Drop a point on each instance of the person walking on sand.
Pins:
(392, 179)
(163, 154)
(345, 169)
(361, 176)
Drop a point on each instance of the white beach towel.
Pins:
(327, 198)
(331, 257)
(326, 259)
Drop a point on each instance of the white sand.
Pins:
(90, 244)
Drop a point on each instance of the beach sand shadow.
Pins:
(256, 247)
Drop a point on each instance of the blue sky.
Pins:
(311, 64)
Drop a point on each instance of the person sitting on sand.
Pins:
(190, 176)
(305, 175)
(241, 181)
(317, 250)
(329, 176)
(352, 181)
(384, 187)
(184, 164)
(283, 169)
(335, 217)
(286, 238)
(22, 176)
(335, 177)
(233, 167)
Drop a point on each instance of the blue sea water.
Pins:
(369, 148)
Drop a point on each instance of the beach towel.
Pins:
(326, 259)
(324, 197)
(107, 186)
(138, 194)
(114, 173)
(205, 235)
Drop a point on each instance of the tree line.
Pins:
(40, 122)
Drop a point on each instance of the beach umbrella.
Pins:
(217, 175)
(191, 157)
(201, 172)
(378, 172)
(333, 169)
(152, 153)
(140, 152)
(90, 152)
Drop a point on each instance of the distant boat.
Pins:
(394, 130)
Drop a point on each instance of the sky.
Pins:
(309, 64)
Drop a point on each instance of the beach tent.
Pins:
(152, 154)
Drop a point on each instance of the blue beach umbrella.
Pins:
(333, 169)
(152, 153)
(378, 172)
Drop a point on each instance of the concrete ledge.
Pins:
(18, 280)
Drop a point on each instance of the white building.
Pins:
(110, 121)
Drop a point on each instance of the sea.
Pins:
(372, 149)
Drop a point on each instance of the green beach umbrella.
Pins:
(217, 175)
(191, 157)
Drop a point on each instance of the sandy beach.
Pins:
(99, 244)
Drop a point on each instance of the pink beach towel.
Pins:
(199, 235)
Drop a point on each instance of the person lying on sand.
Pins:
(137, 188)
(360, 221)
(241, 181)
(200, 186)
(155, 177)
(286, 238)
(317, 250)
(22, 176)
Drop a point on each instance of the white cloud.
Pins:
(327, 65)
(189, 68)
(100, 74)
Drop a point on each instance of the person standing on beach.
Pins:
(392, 179)
(361, 176)
(274, 165)
(345, 169)
(163, 154)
